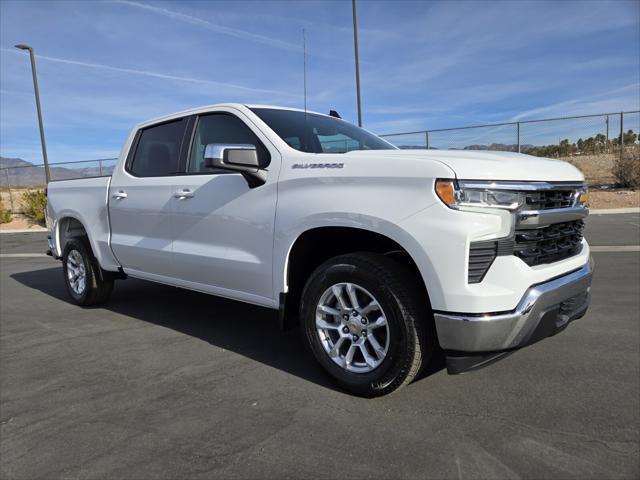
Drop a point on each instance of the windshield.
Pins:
(313, 133)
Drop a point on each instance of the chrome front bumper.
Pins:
(544, 310)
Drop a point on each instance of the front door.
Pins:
(224, 229)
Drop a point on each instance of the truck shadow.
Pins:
(244, 329)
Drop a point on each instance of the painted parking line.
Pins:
(23, 255)
(615, 248)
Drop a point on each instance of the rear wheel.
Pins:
(366, 323)
(84, 280)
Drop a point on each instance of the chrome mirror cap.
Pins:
(241, 158)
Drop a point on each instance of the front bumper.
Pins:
(544, 310)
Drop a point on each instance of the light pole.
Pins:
(35, 88)
(355, 46)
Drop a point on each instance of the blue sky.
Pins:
(105, 66)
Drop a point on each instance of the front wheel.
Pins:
(366, 323)
(83, 279)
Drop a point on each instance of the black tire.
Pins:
(411, 336)
(97, 287)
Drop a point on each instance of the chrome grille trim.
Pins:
(522, 185)
(543, 218)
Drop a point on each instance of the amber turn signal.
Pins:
(446, 191)
(583, 199)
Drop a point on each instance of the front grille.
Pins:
(549, 244)
(548, 199)
(543, 203)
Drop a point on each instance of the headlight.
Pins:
(457, 198)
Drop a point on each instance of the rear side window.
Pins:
(158, 150)
(222, 128)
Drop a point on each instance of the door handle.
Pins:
(120, 195)
(182, 194)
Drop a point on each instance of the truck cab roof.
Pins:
(205, 108)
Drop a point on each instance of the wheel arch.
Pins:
(70, 224)
(67, 227)
(314, 246)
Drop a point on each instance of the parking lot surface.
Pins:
(166, 383)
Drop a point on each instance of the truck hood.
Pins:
(483, 165)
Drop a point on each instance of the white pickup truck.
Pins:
(381, 255)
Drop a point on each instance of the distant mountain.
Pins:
(13, 162)
(414, 147)
(499, 147)
(25, 174)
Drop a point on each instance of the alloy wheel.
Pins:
(352, 327)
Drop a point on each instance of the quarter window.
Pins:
(222, 128)
(158, 150)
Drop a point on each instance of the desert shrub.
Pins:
(626, 169)
(34, 203)
(5, 214)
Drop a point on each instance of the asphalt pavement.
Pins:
(167, 383)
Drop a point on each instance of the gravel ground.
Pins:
(614, 199)
(20, 222)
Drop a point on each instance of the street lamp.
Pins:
(35, 88)
(355, 47)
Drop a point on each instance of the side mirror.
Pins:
(242, 158)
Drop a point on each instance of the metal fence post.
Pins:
(518, 135)
(6, 172)
(426, 137)
(607, 123)
(621, 134)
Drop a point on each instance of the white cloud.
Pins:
(568, 107)
(225, 30)
(158, 75)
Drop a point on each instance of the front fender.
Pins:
(287, 239)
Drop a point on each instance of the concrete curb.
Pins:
(609, 211)
(25, 230)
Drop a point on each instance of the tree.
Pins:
(597, 144)
(565, 148)
(630, 137)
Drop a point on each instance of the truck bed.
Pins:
(86, 200)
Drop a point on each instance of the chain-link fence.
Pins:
(18, 179)
(604, 146)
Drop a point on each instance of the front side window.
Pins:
(313, 133)
(222, 128)
(158, 150)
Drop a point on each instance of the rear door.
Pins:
(140, 199)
